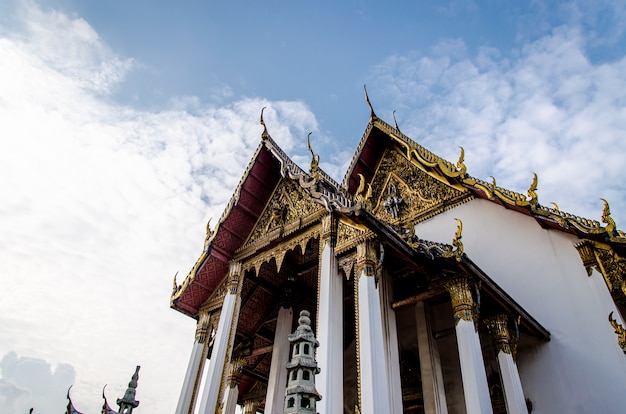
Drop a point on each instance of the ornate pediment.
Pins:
(406, 194)
(287, 208)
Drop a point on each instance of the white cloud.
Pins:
(29, 382)
(102, 204)
(550, 110)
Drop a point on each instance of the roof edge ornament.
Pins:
(367, 99)
(395, 121)
(532, 191)
(264, 134)
(314, 169)
(611, 227)
(458, 250)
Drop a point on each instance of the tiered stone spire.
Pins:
(301, 395)
(128, 403)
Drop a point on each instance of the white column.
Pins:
(277, 383)
(330, 325)
(430, 364)
(513, 392)
(392, 350)
(375, 396)
(232, 390)
(474, 376)
(196, 364)
(208, 403)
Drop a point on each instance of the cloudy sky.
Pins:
(125, 126)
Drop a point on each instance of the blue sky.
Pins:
(127, 125)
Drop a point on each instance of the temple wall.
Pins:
(581, 369)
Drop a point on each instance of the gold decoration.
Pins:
(234, 271)
(251, 406)
(620, 331)
(235, 371)
(175, 286)
(366, 259)
(315, 161)
(285, 212)
(264, 134)
(202, 327)
(347, 264)
(606, 219)
(361, 198)
(405, 194)
(459, 288)
(456, 242)
(499, 330)
(279, 251)
(532, 190)
(329, 229)
(459, 164)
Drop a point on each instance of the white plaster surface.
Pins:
(581, 369)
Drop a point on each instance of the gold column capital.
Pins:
(234, 272)
(329, 229)
(460, 290)
(250, 406)
(498, 327)
(366, 260)
(235, 371)
(202, 327)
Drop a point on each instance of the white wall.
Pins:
(582, 369)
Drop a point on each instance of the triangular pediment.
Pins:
(403, 193)
(284, 212)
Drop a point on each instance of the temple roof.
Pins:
(270, 165)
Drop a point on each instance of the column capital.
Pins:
(235, 371)
(498, 327)
(330, 223)
(366, 260)
(234, 272)
(202, 327)
(250, 406)
(460, 290)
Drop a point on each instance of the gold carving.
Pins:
(499, 330)
(606, 219)
(329, 229)
(314, 170)
(235, 371)
(460, 289)
(366, 262)
(234, 271)
(456, 242)
(203, 325)
(347, 264)
(279, 251)
(359, 197)
(532, 190)
(285, 210)
(406, 194)
(251, 406)
(620, 331)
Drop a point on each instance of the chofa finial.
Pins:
(395, 122)
(611, 227)
(315, 160)
(264, 134)
(367, 99)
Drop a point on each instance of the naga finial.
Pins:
(555, 206)
(456, 242)
(460, 163)
(611, 227)
(315, 160)
(174, 287)
(367, 99)
(619, 330)
(209, 233)
(359, 197)
(532, 190)
(265, 134)
(395, 122)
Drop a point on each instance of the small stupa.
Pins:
(301, 395)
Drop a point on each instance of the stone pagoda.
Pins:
(301, 395)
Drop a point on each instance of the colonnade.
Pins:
(378, 364)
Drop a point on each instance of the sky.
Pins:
(126, 126)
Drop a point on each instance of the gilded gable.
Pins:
(405, 193)
(286, 208)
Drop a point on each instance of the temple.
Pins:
(429, 291)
